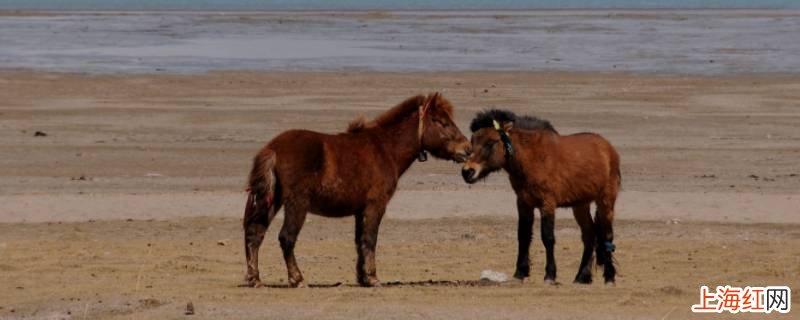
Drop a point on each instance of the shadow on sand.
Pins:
(395, 284)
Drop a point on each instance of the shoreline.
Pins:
(787, 11)
(352, 71)
(167, 73)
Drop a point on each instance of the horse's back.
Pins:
(593, 160)
(591, 144)
(298, 150)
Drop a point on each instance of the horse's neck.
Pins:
(526, 146)
(401, 143)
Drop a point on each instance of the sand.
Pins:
(710, 191)
(152, 269)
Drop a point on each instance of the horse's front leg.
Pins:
(367, 225)
(549, 241)
(524, 234)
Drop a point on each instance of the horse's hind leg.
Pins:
(549, 241)
(584, 218)
(292, 223)
(604, 220)
(256, 223)
(367, 226)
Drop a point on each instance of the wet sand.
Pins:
(710, 180)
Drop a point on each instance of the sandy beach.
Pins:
(130, 206)
(126, 138)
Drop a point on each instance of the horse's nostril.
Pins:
(467, 173)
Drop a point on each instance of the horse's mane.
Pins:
(396, 114)
(484, 119)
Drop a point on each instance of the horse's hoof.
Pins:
(371, 283)
(296, 282)
(520, 275)
(550, 282)
(253, 282)
(611, 283)
(523, 280)
(583, 279)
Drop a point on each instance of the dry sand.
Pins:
(717, 155)
(152, 269)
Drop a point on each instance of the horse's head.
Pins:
(438, 133)
(491, 145)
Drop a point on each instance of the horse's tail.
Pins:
(615, 164)
(261, 185)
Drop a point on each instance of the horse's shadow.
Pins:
(394, 284)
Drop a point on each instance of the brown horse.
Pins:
(350, 173)
(548, 170)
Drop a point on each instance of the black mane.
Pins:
(484, 119)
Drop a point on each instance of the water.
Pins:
(689, 41)
(248, 5)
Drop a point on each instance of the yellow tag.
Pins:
(496, 125)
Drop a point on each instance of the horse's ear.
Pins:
(429, 101)
(433, 97)
(508, 126)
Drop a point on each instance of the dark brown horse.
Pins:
(548, 170)
(350, 173)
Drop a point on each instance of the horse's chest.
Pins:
(530, 192)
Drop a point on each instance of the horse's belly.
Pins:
(337, 204)
(334, 213)
(578, 194)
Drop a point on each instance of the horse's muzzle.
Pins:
(462, 152)
(468, 174)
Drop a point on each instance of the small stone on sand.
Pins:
(493, 276)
